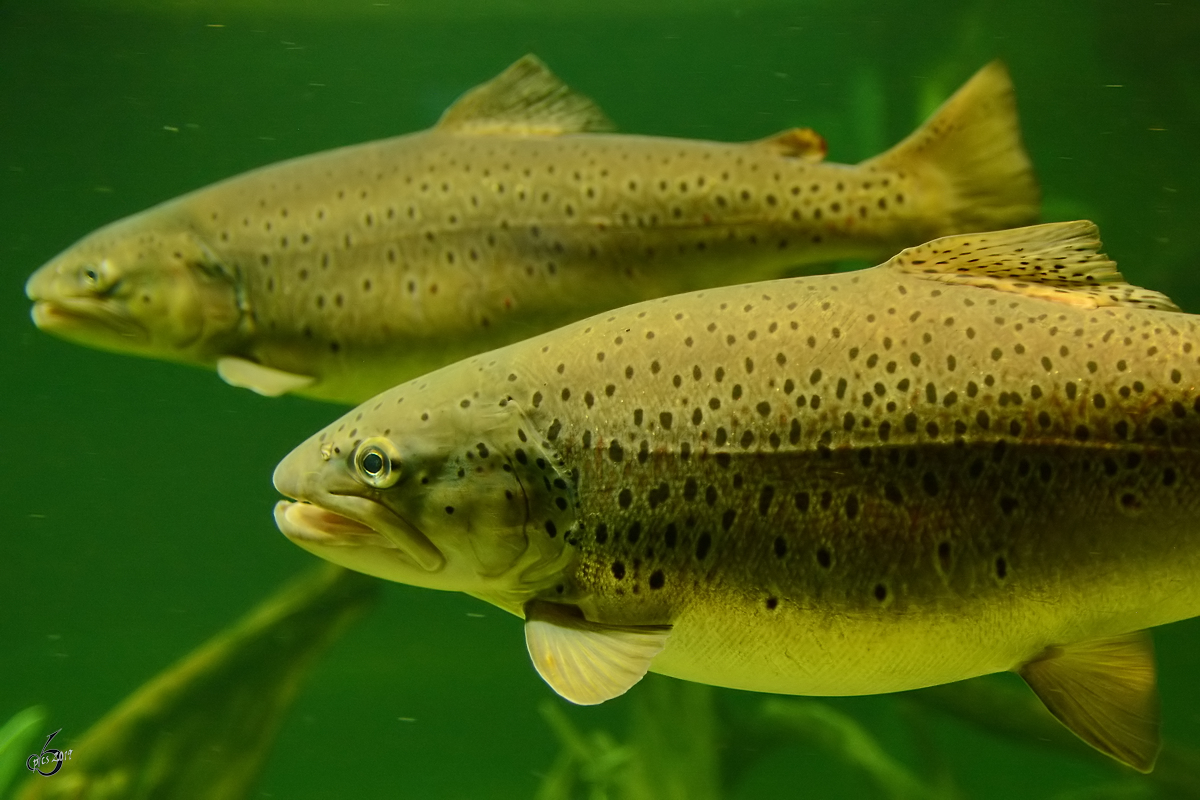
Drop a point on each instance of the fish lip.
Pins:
(301, 520)
(70, 314)
(336, 519)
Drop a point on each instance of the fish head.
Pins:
(435, 488)
(147, 285)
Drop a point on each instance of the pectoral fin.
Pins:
(1104, 691)
(266, 381)
(588, 662)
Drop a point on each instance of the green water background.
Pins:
(135, 496)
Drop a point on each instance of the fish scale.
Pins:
(888, 407)
(978, 457)
(340, 274)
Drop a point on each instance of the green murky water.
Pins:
(135, 496)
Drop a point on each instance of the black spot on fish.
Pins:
(764, 499)
(658, 495)
(618, 570)
(702, 545)
(656, 579)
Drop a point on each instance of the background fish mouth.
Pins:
(65, 317)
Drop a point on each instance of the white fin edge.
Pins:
(526, 99)
(587, 662)
(1059, 261)
(267, 381)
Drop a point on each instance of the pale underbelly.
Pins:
(792, 650)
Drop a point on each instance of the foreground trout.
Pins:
(980, 456)
(340, 274)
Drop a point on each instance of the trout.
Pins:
(340, 274)
(980, 456)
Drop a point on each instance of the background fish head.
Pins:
(145, 286)
(433, 485)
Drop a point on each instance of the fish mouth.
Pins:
(347, 521)
(305, 522)
(80, 316)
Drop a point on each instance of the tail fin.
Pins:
(972, 146)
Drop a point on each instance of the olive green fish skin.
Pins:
(855, 483)
(486, 242)
(368, 265)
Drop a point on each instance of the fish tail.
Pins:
(971, 155)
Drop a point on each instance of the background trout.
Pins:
(980, 456)
(340, 274)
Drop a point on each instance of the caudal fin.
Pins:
(971, 152)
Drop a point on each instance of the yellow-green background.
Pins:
(135, 496)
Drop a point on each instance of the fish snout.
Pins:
(293, 476)
(40, 284)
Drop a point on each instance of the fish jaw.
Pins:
(343, 541)
(88, 321)
(330, 519)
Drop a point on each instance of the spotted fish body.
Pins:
(340, 274)
(978, 457)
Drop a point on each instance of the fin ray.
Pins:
(1104, 692)
(525, 99)
(588, 662)
(1058, 261)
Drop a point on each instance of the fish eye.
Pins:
(91, 276)
(377, 463)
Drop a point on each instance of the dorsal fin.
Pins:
(1058, 261)
(527, 98)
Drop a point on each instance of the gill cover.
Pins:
(464, 478)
